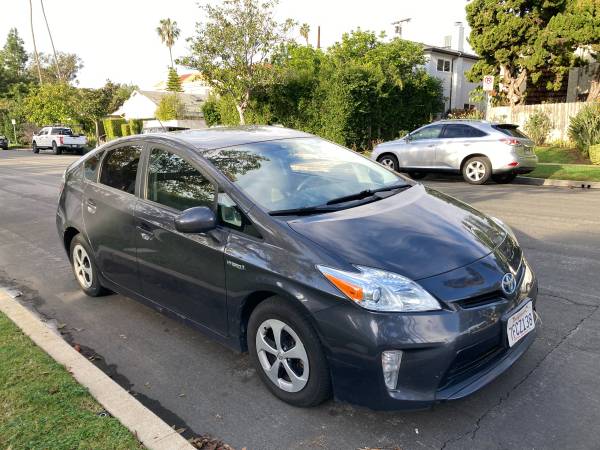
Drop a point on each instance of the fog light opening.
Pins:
(390, 363)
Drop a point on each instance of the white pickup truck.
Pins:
(58, 139)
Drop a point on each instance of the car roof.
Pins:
(219, 137)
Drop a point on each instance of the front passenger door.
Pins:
(420, 147)
(180, 271)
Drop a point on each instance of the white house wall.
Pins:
(138, 107)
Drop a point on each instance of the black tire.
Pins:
(477, 170)
(504, 178)
(55, 149)
(80, 151)
(94, 289)
(417, 175)
(34, 147)
(389, 161)
(318, 385)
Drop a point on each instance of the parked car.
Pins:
(3, 142)
(477, 149)
(58, 139)
(335, 273)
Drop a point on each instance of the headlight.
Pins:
(505, 227)
(378, 290)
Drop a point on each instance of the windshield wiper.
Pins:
(303, 211)
(367, 193)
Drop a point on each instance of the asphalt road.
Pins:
(549, 399)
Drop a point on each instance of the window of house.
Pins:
(443, 65)
(119, 168)
(174, 182)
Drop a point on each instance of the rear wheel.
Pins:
(55, 149)
(34, 147)
(477, 170)
(504, 178)
(287, 353)
(389, 161)
(84, 267)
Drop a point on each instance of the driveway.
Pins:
(549, 399)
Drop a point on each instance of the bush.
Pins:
(210, 110)
(169, 108)
(135, 126)
(584, 128)
(538, 126)
(125, 129)
(466, 114)
(112, 128)
(595, 154)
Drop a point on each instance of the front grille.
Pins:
(480, 300)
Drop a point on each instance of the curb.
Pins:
(146, 426)
(561, 183)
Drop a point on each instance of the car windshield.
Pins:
(299, 173)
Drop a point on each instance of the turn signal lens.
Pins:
(353, 292)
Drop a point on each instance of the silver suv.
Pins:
(478, 149)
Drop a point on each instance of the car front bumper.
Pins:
(446, 354)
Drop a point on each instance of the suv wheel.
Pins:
(55, 149)
(84, 267)
(389, 161)
(504, 178)
(287, 353)
(477, 170)
(34, 147)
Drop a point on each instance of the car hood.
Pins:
(417, 233)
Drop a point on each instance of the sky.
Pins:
(117, 39)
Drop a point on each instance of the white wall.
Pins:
(137, 107)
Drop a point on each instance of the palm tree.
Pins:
(35, 52)
(51, 41)
(304, 30)
(168, 32)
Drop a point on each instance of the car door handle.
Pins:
(91, 206)
(431, 145)
(145, 232)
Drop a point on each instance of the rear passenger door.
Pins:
(108, 212)
(456, 142)
(183, 272)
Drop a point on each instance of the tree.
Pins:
(52, 103)
(529, 40)
(168, 32)
(170, 107)
(13, 56)
(93, 105)
(118, 93)
(173, 81)
(304, 31)
(70, 65)
(232, 48)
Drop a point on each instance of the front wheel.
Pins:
(389, 161)
(84, 267)
(287, 353)
(504, 178)
(477, 170)
(34, 147)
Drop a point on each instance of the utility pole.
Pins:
(398, 26)
(319, 36)
(35, 52)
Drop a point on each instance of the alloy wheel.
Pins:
(476, 170)
(387, 162)
(82, 266)
(282, 355)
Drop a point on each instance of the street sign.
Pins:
(14, 122)
(488, 83)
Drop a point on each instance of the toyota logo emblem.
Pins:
(509, 284)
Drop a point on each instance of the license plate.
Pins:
(520, 324)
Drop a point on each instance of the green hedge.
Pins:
(595, 154)
(135, 126)
(112, 128)
(125, 129)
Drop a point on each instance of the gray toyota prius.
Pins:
(337, 275)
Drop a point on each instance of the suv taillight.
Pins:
(510, 141)
(62, 140)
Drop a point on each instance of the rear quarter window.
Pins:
(510, 130)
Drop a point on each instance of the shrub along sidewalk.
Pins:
(42, 406)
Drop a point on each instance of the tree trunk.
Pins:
(171, 56)
(51, 41)
(241, 107)
(35, 52)
(97, 132)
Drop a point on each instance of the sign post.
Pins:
(488, 86)
(14, 123)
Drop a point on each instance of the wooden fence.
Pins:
(559, 113)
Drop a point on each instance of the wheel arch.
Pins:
(472, 155)
(68, 235)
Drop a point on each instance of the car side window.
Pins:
(119, 168)
(461, 131)
(230, 216)
(91, 166)
(431, 132)
(174, 182)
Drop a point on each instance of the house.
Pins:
(142, 105)
(449, 65)
(191, 83)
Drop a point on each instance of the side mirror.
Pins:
(196, 220)
(407, 138)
